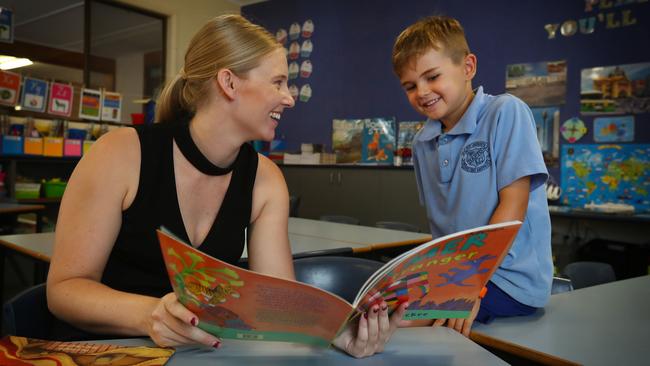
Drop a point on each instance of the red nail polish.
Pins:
(374, 310)
(365, 315)
(216, 344)
(384, 307)
(194, 321)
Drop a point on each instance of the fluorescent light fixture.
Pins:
(10, 62)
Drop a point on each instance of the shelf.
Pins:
(41, 158)
(41, 201)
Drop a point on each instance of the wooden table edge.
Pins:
(521, 351)
(26, 251)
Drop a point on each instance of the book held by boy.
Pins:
(439, 279)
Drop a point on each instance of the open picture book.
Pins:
(440, 279)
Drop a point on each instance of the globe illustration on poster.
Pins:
(573, 129)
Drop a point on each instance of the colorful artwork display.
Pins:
(90, 104)
(547, 126)
(60, 101)
(595, 173)
(539, 83)
(346, 140)
(573, 129)
(34, 96)
(6, 25)
(620, 89)
(405, 134)
(378, 141)
(614, 129)
(9, 87)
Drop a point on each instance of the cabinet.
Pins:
(370, 194)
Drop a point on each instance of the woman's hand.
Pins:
(172, 324)
(373, 331)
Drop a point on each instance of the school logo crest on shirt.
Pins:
(475, 157)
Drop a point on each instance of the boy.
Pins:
(476, 161)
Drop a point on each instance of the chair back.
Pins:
(397, 225)
(294, 204)
(342, 276)
(27, 315)
(341, 219)
(561, 285)
(585, 274)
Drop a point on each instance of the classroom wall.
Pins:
(185, 18)
(352, 74)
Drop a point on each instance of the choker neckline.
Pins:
(192, 153)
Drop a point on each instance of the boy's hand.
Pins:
(463, 326)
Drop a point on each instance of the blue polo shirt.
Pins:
(460, 173)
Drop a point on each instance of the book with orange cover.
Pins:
(440, 279)
(21, 351)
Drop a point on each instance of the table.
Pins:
(7, 209)
(607, 324)
(414, 346)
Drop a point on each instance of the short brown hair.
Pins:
(437, 32)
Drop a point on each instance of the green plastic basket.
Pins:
(54, 189)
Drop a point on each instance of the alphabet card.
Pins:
(111, 106)
(9, 86)
(34, 97)
(90, 104)
(60, 101)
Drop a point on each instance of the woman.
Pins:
(195, 174)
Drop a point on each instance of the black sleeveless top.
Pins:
(135, 265)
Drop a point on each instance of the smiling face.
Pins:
(437, 87)
(263, 96)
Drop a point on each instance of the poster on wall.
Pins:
(573, 129)
(111, 106)
(9, 86)
(547, 126)
(614, 129)
(90, 104)
(6, 25)
(600, 174)
(618, 89)
(60, 101)
(539, 83)
(34, 96)
(346, 140)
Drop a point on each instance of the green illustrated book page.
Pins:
(235, 303)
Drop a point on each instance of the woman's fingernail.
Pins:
(384, 307)
(375, 309)
(194, 321)
(216, 344)
(365, 315)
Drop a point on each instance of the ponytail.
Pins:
(170, 104)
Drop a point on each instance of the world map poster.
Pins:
(602, 173)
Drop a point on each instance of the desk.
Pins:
(7, 209)
(601, 325)
(566, 212)
(414, 346)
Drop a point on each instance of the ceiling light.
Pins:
(9, 62)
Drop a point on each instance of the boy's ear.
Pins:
(469, 64)
(227, 83)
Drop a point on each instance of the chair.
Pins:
(585, 274)
(341, 219)
(27, 315)
(342, 276)
(294, 204)
(561, 285)
(397, 225)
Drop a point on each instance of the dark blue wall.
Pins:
(353, 77)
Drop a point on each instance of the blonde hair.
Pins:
(437, 32)
(225, 42)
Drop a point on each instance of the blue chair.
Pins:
(27, 315)
(342, 276)
(341, 219)
(585, 274)
(561, 285)
(397, 225)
